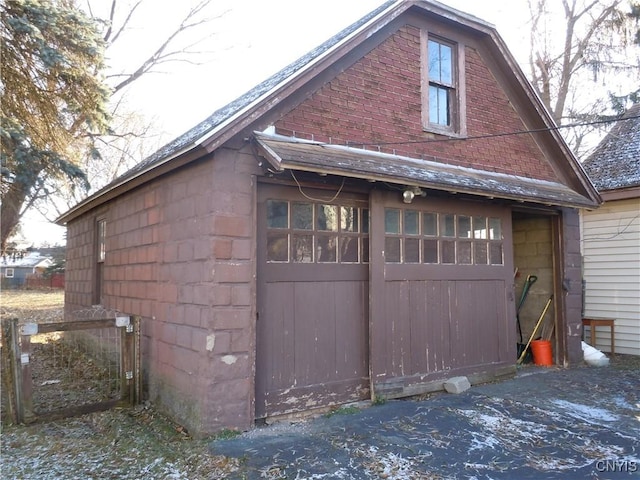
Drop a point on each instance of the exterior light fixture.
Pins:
(410, 193)
(407, 196)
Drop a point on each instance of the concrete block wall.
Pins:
(180, 253)
(378, 99)
(533, 252)
(80, 264)
(533, 255)
(572, 285)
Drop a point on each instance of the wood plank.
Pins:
(77, 325)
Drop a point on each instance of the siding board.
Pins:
(611, 266)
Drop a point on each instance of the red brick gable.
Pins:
(378, 100)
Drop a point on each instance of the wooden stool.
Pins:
(593, 322)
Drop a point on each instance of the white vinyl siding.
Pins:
(611, 266)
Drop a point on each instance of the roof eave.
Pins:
(545, 117)
(546, 193)
(625, 193)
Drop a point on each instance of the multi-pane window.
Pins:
(413, 236)
(441, 83)
(308, 232)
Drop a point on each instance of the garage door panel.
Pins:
(352, 341)
(312, 344)
(280, 334)
(445, 302)
(308, 397)
(315, 332)
(475, 317)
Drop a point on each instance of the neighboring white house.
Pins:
(611, 236)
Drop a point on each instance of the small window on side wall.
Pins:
(100, 249)
(443, 91)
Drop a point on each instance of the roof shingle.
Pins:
(615, 163)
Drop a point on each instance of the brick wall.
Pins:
(378, 99)
(180, 254)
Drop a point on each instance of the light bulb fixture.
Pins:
(410, 193)
(407, 196)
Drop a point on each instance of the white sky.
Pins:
(257, 38)
(253, 39)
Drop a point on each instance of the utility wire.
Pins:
(492, 135)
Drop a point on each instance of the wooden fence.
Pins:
(56, 370)
(39, 281)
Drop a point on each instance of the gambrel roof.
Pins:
(246, 110)
(615, 163)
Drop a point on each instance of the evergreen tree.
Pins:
(53, 100)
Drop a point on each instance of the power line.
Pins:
(493, 135)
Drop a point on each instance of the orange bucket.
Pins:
(542, 352)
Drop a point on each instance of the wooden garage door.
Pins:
(442, 284)
(312, 340)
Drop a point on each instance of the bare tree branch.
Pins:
(107, 36)
(162, 53)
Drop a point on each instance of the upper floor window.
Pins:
(441, 85)
(443, 111)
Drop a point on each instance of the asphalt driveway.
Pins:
(545, 423)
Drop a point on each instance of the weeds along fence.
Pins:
(56, 370)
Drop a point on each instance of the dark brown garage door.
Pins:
(313, 296)
(442, 283)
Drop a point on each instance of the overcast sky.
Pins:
(255, 39)
(252, 40)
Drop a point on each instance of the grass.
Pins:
(32, 305)
(343, 411)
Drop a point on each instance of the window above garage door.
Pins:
(314, 232)
(414, 236)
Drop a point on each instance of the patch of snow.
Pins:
(621, 402)
(483, 441)
(585, 412)
(508, 429)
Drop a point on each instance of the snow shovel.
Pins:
(535, 329)
(531, 279)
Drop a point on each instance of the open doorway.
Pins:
(535, 278)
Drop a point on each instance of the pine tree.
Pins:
(53, 99)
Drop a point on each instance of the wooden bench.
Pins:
(593, 322)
